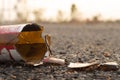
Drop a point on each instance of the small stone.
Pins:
(108, 78)
(62, 52)
(106, 54)
(13, 76)
(1, 78)
(19, 67)
(118, 72)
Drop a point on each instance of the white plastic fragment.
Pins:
(38, 64)
(81, 65)
(109, 66)
(54, 60)
(110, 63)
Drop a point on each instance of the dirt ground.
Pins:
(74, 42)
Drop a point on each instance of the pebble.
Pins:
(106, 54)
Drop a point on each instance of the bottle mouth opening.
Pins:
(32, 27)
(31, 46)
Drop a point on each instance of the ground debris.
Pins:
(109, 66)
(13, 76)
(94, 66)
(106, 54)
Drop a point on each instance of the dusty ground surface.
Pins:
(88, 41)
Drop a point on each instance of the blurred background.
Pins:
(56, 11)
